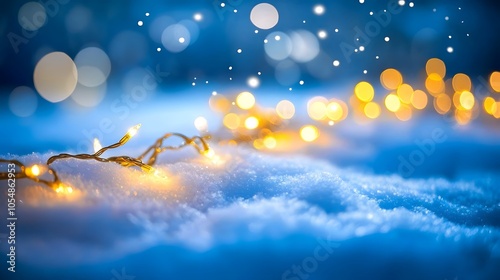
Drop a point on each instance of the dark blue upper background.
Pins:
(416, 33)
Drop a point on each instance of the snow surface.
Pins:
(253, 215)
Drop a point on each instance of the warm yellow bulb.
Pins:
(251, 123)
(364, 91)
(97, 145)
(270, 142)
(209, 153)
(309, 133)
(35, 170)
(245, 100)
(133, 130)
(467, 100)
(392, 102)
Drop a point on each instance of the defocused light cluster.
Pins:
(264, 128)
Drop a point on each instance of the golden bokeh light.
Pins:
(309, 133)
(231, 121)
(285, 109)
(405, 92)
(364, 91)
(372, 110)
(251, 122)
(392, 102)
(442, 103)
(434, 84)
(435, 66)
(334, 111)
(316, 108)
(391, 79)
(404, 113)
(245, 100)
(269, 142)
(490, 105)
(467, 100)
(419, 99)
(495, 81)
(461, 82)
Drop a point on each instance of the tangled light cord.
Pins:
(145, 161)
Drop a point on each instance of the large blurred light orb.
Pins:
(32, 16)
(278, 46)
(264, 16)
(93, 66)
(176, 38)
(23, 101)
(305, 46)
(285, 109)
(55, 76)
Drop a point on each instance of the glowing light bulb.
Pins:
(309, 133)
(35, 170)
(97, 145)
(130, 133)
(209, 153)
(133, 130)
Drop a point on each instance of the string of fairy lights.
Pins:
(271, 128)
(145, 161)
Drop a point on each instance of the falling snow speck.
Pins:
(336, 63)
(377, 57)
(158, 49)
(182, 40)
(277, 37)
(411, 4)
(361, 1)
(259, 73)
(301, 83)
(147, 14)
(222, 5)
(364, 71)
(290, 89)
(235, 11)
(434, 10)
(214, 93)
(303, 21)
(322, 34)
(401, 2)
(355, 50)
(449, 49)
(387, 39)
(449, 37)
(198, 17)
(265, 41)
(361, 48)
(239, 51)
(140, 23)
(256, 31)
(371, 13)
(230, 68)
(446, 18)
(193, 84)
(336, 30)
